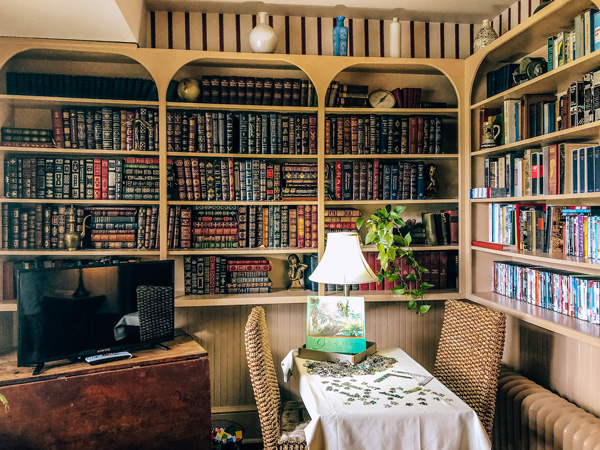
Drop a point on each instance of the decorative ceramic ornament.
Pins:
(263, 38)
(395, 38)
(485, 36)
(188, 90)
(340, 38)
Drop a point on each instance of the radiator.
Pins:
(529, 416)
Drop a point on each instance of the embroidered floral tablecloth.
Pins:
(403, 407)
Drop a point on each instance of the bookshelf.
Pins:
(440, 81)
(527, 39)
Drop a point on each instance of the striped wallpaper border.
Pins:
(312, 35)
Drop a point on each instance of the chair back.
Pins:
(263, 377)
(469, 356)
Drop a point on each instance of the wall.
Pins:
(307, 35)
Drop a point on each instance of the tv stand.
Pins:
(156, 400)
(38, 369)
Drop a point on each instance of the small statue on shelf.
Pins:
(431, 184)
(296, 272)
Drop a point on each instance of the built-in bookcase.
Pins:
(489, 269)
(309, 78)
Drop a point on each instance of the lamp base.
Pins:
(318, 355)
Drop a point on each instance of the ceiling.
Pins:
(124, 20)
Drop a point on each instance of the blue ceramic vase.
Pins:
(340, 38)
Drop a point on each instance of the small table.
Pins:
(387, 410)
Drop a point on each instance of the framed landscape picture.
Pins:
(336, 324)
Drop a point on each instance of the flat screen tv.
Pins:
(69, 313)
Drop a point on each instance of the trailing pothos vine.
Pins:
(383, 230)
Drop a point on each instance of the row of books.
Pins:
(10, 135)
(537, 114)
(10, 269)
(556, 169)
(130, 178)
(340, 219)
(80, 86)
(374, 180)
(582, 231)
(124, 227)
(106, 128)
(441, 228)
(567, 46)
(43, 226)
(540, 171)
(570, 293)
(501, 79)
(273, 226)
(441, 265)
(244, 132)
(562, 230)
(382, 134)
(238, 90)
(346, 95)
(214, 274)
(244, 180)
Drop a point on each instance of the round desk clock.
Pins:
(382, 99)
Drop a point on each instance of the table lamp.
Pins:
(343, 262)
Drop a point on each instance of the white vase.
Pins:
(485, 36)
(395, 38)
(263, 38)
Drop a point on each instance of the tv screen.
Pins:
(74, 312)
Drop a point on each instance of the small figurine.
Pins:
(296, 272)
(431, 185)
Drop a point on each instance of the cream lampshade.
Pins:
(343, 262)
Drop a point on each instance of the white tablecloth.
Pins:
(388, 410)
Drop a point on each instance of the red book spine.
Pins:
(212, 274)
(307, 225)
(98, 179)
(413, 130)
(189, 185)
(338, 180)
(371, 257)
(300, 225)
(104, 171)
(314, 223)
(57, 128)
(364, 286)
(354, 134)
(196, 179)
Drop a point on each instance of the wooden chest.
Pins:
(157, 399)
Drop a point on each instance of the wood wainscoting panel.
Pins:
(220, 330)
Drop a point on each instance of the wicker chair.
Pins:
(282, 426)
(469, 356)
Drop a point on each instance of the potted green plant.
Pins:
(383, 230)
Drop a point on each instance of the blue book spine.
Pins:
(347, 180)
(597, 168)
(597, 31)
(590, 170)
(582, 170)
(384, 135)
(421, 180)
